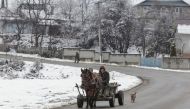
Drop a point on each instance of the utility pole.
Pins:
(143, 24)
(144, 43)
(6, 3)
(2, 4)
(82, 6)
(99, 30)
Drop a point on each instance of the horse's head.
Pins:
(85, 73)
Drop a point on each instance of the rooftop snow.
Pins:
(180, 3)
(183, 29)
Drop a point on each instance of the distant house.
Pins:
(182, 41)
(10, 23)
(44, 13)
(7, 20)
(151, 10)
(179, 8)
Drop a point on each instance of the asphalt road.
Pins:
(160, 90)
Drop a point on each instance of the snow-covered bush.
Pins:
(8, 69)
(36, 67)
(59, 54)
(35, 70)
(17, 65)
(64, 76)
(46, 54)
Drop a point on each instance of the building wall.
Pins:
(105, 56)
(69, 53)
(183, 43)
(179, 12)
(7, 27)
(87, 55)
(185, 13)
(176, 63)
(91, 55)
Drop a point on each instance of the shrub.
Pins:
(8, 69)
(35, 71)
(46, 54)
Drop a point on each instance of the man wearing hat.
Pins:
(105, 76)
(105, 79)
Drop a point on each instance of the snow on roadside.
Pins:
(55, 89)
(36, 56)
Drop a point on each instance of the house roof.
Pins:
(179, 3)
(7, 14)
(32, 6)
(183, 21)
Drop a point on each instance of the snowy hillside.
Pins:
(53, 88)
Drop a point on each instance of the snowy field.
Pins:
(55, 87)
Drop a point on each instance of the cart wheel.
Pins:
(120, 97)
(112, 101)
(80, 101)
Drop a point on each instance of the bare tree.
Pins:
(37, 12)
(67, 8)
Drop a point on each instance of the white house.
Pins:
(182, 40)
(14, 22)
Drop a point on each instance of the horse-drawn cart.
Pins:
(110, 93)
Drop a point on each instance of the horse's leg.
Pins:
(87, 99)
(95, 98)
(94, 101)
(91, 102)
(86, 102)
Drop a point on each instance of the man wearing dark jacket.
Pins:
(105, 76)
(77, 57)
(105, 79)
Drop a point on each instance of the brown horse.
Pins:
(91, 83)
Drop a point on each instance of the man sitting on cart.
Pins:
(105, 78)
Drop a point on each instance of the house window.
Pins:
(177, 9)
(146, 8)
(180, 10)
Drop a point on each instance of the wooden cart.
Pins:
(110, 93)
